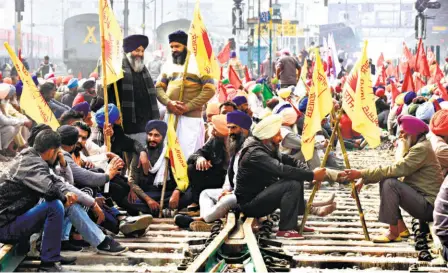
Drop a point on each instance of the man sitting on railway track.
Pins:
(417, 193)
(268, 180)
(21, 214)
(216, 203)
(48, 91)
(439, 138)
(146, 190)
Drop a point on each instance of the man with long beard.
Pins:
(197, 91)
(216, 203)
(136, 90)
(146, 190)
(417, 193)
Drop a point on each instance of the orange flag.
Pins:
(438, 74)
(443, 92)
(408, 83)
(246, 74)
(224, 55)
(395, 92)
(421, 62)
(380, 61)
(406, 59)
(233, 78)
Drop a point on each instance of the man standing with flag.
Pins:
(136, 91)
(197, 89)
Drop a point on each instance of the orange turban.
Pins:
(220, 124)
(439, 123)
(212, 108)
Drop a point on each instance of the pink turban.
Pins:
(412, 125)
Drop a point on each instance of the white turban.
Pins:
(289, 116)
(268, 127)
(4, 90)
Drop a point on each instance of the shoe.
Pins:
(383, 239)
(132, 224)
(308, 229)
(193, 207)
(323, 211)
(67, 246)
(50, 267)
(68, 260)
(200, 226)
(405, 234)
(183, 221)
(111, 247)
(289, 234)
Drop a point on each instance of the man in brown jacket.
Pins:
(418, 190)
(197, 91)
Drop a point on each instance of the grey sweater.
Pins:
(83, 177)
(66, 175)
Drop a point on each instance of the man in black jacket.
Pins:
(207, 167)
(268, 180)
(28, 180)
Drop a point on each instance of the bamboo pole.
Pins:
(181, 95)
(322, 165)
(354, 191)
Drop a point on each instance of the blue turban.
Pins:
(439, 100)
(133, 42)
(233, 54)
(239, 100)
(114, 115)
(261, 80)
(159, 125)
(179, 37)
(409, 97)
(19, 88)
(83, 107)
(303, 104)
(72, 83)
(239, 118)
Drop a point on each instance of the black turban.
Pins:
(178, 36)
(159, 125)
(133, 42)
(69, 135)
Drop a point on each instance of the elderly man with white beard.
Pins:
(137, 94)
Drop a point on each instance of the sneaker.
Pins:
(50, 267)
(111, 247)
(67, 246)
(132, 224)
(289, 234)
(200, 226)
(193, 207)
(183, 221)
(308, 229)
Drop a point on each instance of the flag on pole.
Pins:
(358, 101)
(408, 83)
(224, 55)
(442, 91)
(200, 45)
(234, 79)
(421, 62)
(31, 101)
(246, 74)
(177, 159)
(334, 56)
(380, 61)
(319, 106)
(113, 39)
(395, 92)
(437, 75)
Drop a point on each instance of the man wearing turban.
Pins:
(146, 190)
(215, 203)
(136, 91)
(197, 91)
(268, 180)
(70, 96)
(421, 183)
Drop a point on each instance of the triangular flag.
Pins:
(224, 55)
(443, 91)
(31, 101)
(437, 75)
(358, 101)
(319, 106)
(110, 29)
(408, 83)
(406, 59)
(246, 74)
(200, 45)
(380, 61)
(381, 80)
(233, 78)
(394, 92)
(421, 63)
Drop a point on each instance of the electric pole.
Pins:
(144, 17)
(126, 18)
(259, 38)
(270, 36)
(20, 7)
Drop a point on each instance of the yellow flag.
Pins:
(31, 101)
(113, 42)
(200, 45)
(358, 101)
(319, 106)
(179, 165)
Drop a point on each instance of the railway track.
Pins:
(248, 245)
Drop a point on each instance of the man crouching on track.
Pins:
(417, 193)
(267, 180)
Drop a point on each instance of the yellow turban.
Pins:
(268, 127)
(220, 124)
(284, 93)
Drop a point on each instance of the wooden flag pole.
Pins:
(181, 95)
(354, 191)
(103, 67)
(322, 165)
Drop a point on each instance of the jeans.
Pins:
(84, 225)
(50, 216)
